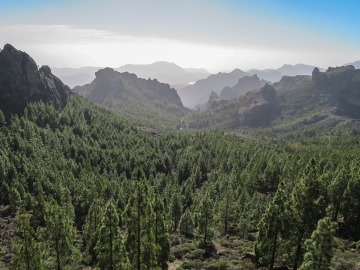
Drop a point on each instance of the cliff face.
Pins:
(259, 107)
(244, 85)
(342, 87)
(112, 85)
(22, 82)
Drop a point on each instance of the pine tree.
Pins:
(59, 235)
(205, 230)
(139, 222)
(187, 225)
(271, 226)
(351, 203)
(176, 210)
(110, 250)
(320, 247)
(225, 209)
(337, 188)
(91, 228)
(27, 250)
(307, 207)
(161, 234)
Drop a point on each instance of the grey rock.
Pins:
(21, 82)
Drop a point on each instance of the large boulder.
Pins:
(22, 82)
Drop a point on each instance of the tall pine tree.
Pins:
(205, 229)
(320, 247)
(91, 229)
(110, 250)
(26, 249)
(139, 222)
(59, 235)
(271, 226)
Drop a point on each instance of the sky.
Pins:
(218, 35)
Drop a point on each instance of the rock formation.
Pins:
(259, 107)
(342, 87)
(22, 82)
(244, 85)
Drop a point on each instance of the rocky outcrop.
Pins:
(244, 85)
(259, 108)
(116, 88)
(341, 85)
(21, 82)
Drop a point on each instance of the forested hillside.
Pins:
(83, 188)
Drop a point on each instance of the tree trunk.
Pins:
(138, 231)
(298, 252)
(274, 250)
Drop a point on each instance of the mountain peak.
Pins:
(21, 82)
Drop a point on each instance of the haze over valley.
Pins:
(179, 135)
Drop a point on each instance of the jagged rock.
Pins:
(342, 86)
(244, 85)
(22, 82)
(124, 91)
(259, 107)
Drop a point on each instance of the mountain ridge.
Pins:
(323, 100)
(134, 97)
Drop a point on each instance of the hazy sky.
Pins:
(215, 34)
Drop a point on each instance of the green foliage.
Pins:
(110, 250)
(161, 234)
(272, 226)
(308, 207)
(90, 230)
(139, 222)
(187, 225)
(61, 166)
(205, 229)
(320, 247)
(27, 249)
(176, 211)
(59, 236)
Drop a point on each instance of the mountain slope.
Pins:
(147, 101)
(21, 82)
(199, 92)
(323, 101)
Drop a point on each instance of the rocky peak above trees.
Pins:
(21, 82)
(342, 86)
(259, 107)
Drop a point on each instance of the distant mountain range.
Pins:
(166, 72)
(162, 71)
(199, 92)
(324, 100)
